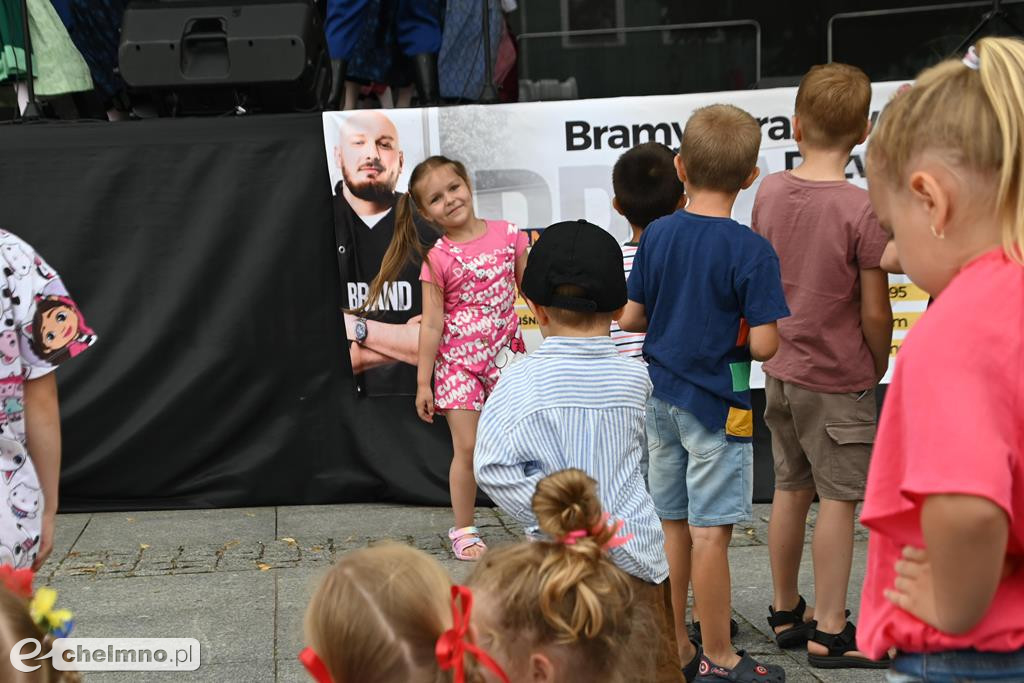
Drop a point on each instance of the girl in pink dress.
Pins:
(470, 329)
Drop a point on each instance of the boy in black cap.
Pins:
(576, 402)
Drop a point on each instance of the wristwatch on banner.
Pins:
(360, 330)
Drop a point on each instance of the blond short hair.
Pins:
(833, 102)
(377, 614)
(719, 147)
(972, 118)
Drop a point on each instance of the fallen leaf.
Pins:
(231, 544)
(316, 548)
(129, 519)
(144, 546)
(264, 567)
(248, 514)
(289, 540)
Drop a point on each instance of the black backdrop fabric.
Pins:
(201, 251)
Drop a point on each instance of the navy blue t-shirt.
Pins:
(704, 282)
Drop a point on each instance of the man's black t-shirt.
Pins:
(360, 251)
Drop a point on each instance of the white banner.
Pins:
(537, 163)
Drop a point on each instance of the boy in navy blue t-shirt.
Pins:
(707, 292)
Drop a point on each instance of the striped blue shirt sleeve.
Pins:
(499, 470)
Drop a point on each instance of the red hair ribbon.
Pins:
(453, 644)
(17, 581)
(314, 665)
(614, 542)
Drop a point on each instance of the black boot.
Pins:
(424, 69)
(336, 96)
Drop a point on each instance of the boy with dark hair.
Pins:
(576, 402)
(820, 387)
(646, 188)
(707, 291)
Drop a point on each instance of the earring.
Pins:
(936, 234)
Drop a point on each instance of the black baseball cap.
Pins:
(581, 254)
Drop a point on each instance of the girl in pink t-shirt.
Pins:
(945, 496)
(470, 329)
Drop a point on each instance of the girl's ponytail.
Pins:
(568, 510)
(405, 248)
(1001, 66)
(970, 112)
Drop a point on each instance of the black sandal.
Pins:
(698, 637)
(690, 670)
(838, 644)
(800, 630)
(747, 670)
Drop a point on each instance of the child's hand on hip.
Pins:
(914, 589)
(425, 403)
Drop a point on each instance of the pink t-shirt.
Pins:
(825, 233)
(953, 423)
(442, 262)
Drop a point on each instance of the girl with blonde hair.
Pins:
(390, 614)
(560, 610)
(945, 494)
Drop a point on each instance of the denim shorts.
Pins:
(957, 666)
(696, 474)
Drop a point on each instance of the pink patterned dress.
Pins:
(481, 329)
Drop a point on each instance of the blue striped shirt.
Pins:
(574, 402)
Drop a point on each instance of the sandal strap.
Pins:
(464, 538)
(465, 542)
(455, 534)
(786, 617)
(837, 644)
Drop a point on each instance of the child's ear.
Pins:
(798, 131)
(752, 177)
(867, 132)
(542, 670)
(615, 205)
(680, 169)
(538, 311)
(933, 197)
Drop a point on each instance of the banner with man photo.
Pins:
(532, 164)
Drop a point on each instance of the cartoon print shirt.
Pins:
(40, 328)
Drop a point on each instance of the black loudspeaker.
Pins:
(202, 56)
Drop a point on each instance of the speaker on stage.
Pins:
(205, 56)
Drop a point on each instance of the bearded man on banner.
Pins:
(382, 345)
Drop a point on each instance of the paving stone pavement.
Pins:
(238, 580)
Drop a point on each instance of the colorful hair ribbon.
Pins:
(971, 60)
(57, 622)
(315, 666)
(614, 542)
(454, 643)
(17, 581)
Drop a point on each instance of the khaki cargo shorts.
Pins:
(820, 441)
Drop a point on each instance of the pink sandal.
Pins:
(463, 539)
